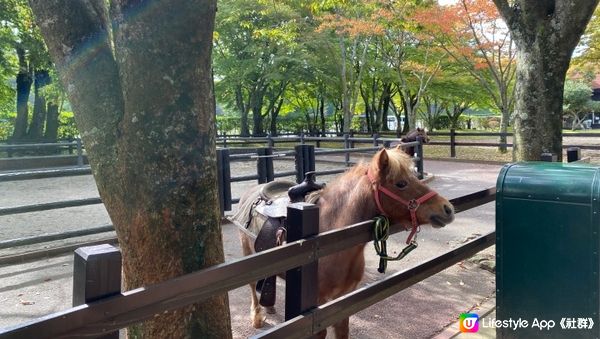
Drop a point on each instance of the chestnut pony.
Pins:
(385, 186)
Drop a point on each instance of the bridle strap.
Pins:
(412, 205)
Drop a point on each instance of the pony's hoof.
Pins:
(258, 318)
(271, 309)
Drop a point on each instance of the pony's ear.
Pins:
(419, 129)
(381, 164)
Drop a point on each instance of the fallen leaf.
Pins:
(26, 302)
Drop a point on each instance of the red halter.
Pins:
(412, 204)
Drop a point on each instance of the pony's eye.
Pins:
(401, 184)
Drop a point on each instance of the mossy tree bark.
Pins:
(545, 33)
(138, 76)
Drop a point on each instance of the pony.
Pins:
(412, 136)
(386, 185)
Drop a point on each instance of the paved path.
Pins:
(422, 311)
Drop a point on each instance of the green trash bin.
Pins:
(547, 224)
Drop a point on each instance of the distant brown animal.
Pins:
(412, 136)
(384, 186)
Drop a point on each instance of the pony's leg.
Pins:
(341, 329)
(256, 314)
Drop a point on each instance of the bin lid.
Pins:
(552, 181)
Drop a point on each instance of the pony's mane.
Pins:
(400, 165)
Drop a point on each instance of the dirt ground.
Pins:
(34, 289)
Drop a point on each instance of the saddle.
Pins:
(263, 216)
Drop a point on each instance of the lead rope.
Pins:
(381, 232)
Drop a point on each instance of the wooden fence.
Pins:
(304, 157)
(298, 258)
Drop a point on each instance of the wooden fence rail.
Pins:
(112, 313)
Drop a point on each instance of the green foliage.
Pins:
(577, 97)
(7, 121)
(228, 123)
(67, 129)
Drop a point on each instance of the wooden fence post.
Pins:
(419, 150)
(96, 275)
(224, 139)
(264, 165)
(302, 138)
(224, 178)
(304, 160)
(301, 283)
(79, 153)
(347, 146)
(270, 141)
(375, 139)
(452, 143)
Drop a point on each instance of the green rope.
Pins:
(381, 232)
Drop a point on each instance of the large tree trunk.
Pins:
(546, 33)
(147, 121)
(38, 118)
(24, 81)
(539, 97)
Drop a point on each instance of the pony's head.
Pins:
(418, 132)
(401, 196)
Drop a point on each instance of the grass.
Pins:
(467, 153)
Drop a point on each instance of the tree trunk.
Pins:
(257, 120)
(239, 100)
(538, 107)
(51, 132)
(545, 33)
(24, 81)
(346, 113)
(504, 120)
(146, 115)
(38, 118)
(322, 115)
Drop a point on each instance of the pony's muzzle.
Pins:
(444, 218)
